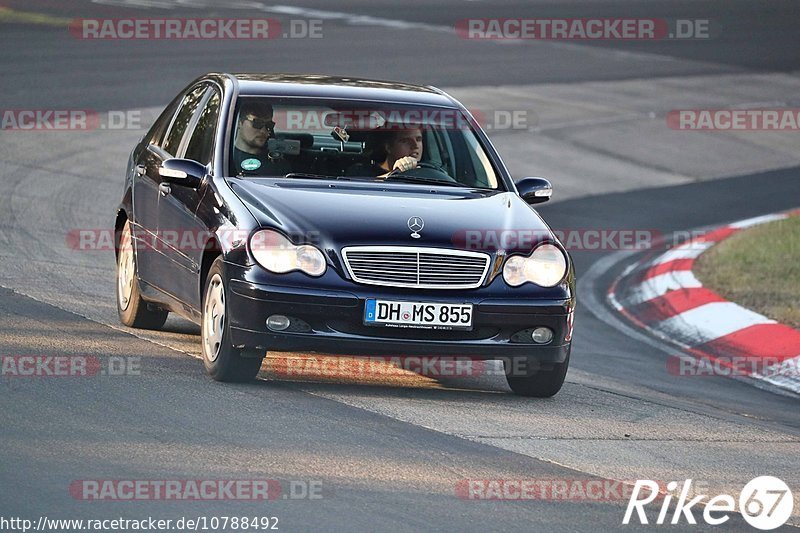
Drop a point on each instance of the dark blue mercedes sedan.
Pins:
(340, 216)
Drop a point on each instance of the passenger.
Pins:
(255, 128)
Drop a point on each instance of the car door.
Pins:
(156, 266)
(183, 233)
(145, 181)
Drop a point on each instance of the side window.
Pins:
(181, 121)
(156, 133)
(201, 145)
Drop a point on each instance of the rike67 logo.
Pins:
(765, 503)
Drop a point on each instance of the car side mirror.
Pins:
(184, 172)
(534, 190)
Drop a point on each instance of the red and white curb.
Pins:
(663, 296)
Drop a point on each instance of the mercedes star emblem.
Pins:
(415, 224)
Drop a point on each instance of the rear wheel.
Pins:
(222, 360)
(539, 383)
(133, 311)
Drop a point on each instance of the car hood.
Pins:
(338, 214)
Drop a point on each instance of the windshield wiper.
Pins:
(314, 176)
(407, 178)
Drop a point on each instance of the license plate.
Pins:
(420, 315)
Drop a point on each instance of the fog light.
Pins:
(278, 322)
(542, 335)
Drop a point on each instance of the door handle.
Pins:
(164, 189)
(141, 170)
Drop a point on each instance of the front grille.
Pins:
(421, 268)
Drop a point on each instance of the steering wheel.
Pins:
(427, 166)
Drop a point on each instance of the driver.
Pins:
(255, 128)
(403, 150)
(400, 150)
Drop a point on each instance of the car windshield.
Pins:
(335, 139)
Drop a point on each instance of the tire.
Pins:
(541, 383)
(131, 308)
(222, 361)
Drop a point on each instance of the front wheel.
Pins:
(222, 360)
(538, 383)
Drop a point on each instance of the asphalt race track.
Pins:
(392, 452)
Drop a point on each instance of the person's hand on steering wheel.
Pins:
(401, 165)
(404, 163)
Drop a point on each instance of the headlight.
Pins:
(545, 267)
(278, 254)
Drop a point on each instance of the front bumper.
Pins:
(336, 323)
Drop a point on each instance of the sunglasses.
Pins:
(259, 123)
